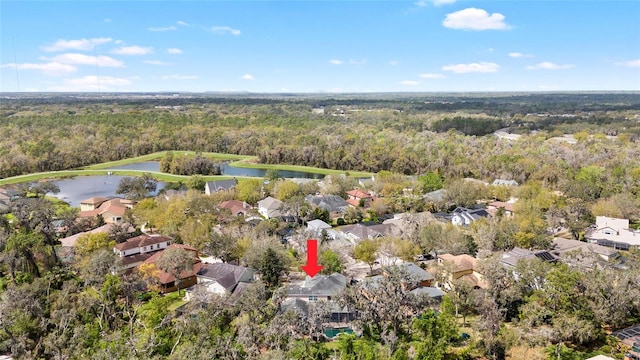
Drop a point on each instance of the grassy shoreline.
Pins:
(241, 161)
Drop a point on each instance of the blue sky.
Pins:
(319, 46)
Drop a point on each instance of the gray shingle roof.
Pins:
(331, 203)
(221, 185)
(226, 275)
(320, 285)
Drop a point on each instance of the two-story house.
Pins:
(136, 250)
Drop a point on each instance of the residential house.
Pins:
(630, 337)
(502, 182)
(406, 224)
(187, 277)
(511, 257)
(319, 287)
(237, 207)
(212, 187)
(432, 292)
(315, 227)
(461, 267)
(359, 198)
(587, 254)
(334, 204)
(509, 208)
(111, 210)
(613, 232)
(422, 277)
(361, 231)
(222, 278)
(270, 207)
(464, 217)
(136, 250)
(92, 203)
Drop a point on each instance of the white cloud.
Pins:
(50, 68)
(179, 77)
(481, 67)
(157, 62)
(475, 19)
(336, 62)
(80, 44)
(432, 76)
(546, 65)
(182, 23)
(410, 82)
(160, 29)
(356, 62)
(248, 77)
(519, 55)
(82, 59)
(630, 63)
(174, 51)
(91, 83)
(394, 62)
(223, 30)
(421, 3)
(132, 50)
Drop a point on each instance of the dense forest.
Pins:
(54, 306)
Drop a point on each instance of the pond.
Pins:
(73, 191)
(226, 170)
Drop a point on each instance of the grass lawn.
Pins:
(241, 161)
(176, 300)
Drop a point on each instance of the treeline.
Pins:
(189, 165)
(47, 137)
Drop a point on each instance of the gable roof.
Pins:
(318, 224)
(270, 203)
(116, 206)
(235, 206)
(166, 278)
(511, 257)
(142, 240)
(362, 231)
(359, 194)
(221, 185)
(320, 285)
(224, 274)
(462, 262)
(96, 200)
(416, 271)
(331, 203)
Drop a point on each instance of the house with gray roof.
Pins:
(360, 231)
(270, 207)
(613, 232)
(212, 187)
(511, 258)
(319, 287)
(223, 278)
(464, 217)
(334, 204)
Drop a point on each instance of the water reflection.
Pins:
(83, 187)
(226, 170)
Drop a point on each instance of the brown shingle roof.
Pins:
(142, 240)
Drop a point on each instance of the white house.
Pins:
(135, 251)
(270, 207)
(613, 232)
(464, 216)
(316, 226)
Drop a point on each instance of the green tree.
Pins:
(272, 267)
(437, 333)
(137, 187)
(365, 251)
(431, 181)
(175, 261)
(89, 243)
(249, 190)
(331, 262)
(196, 182)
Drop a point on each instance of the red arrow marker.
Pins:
(312, 267)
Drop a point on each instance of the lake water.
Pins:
(80, 188)
(226, 170)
